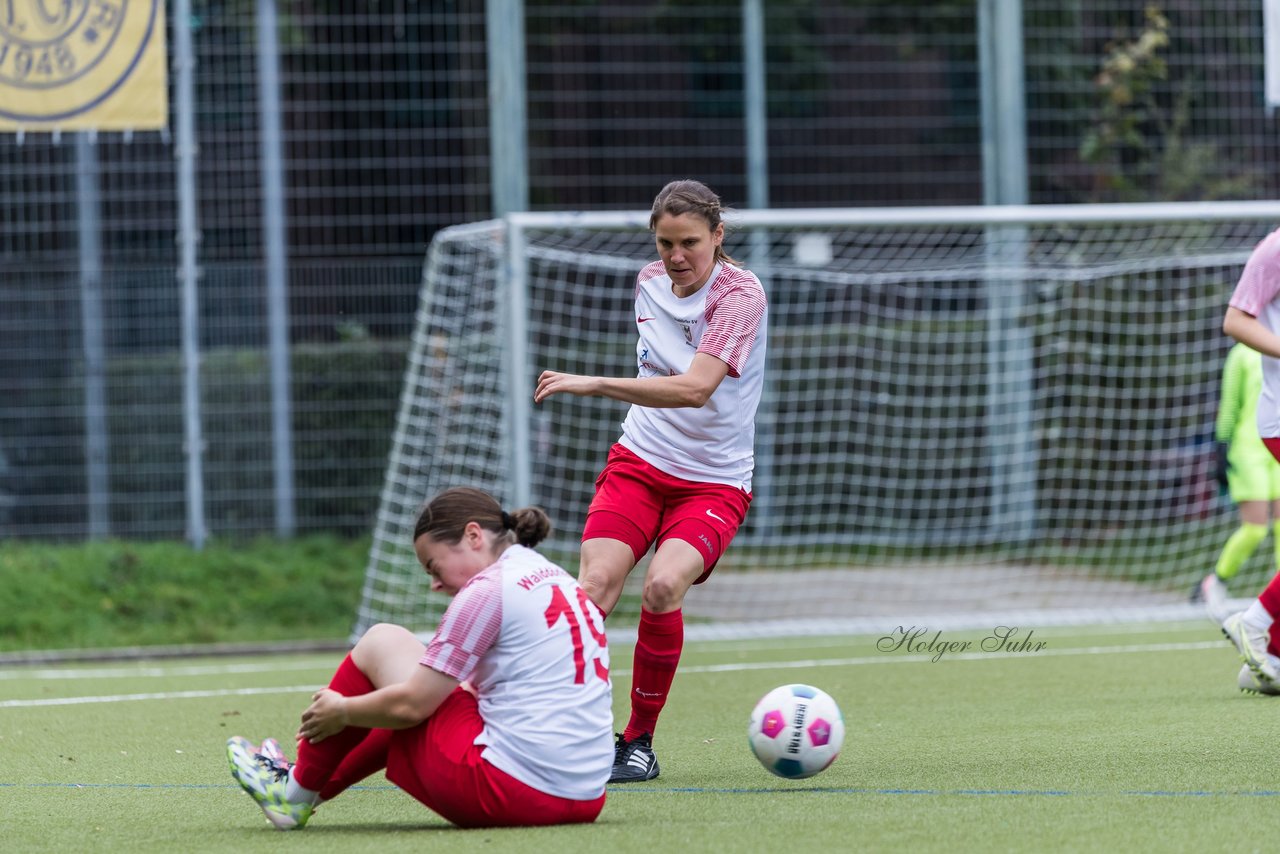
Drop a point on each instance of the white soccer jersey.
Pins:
(526, 636)
(1256, 295)
(726, 318)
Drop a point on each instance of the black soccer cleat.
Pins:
(634, 761)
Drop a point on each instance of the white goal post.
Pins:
(971, 413)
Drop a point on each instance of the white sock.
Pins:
(297, 794)
(1256, 617)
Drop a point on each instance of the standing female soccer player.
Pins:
(680, 475)
(1246, 469)
(1253, 318)
(503, 719)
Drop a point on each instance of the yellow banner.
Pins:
(82, 65)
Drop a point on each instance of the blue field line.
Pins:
(1040, 793)
(709, 790)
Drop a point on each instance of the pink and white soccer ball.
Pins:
(796, 731)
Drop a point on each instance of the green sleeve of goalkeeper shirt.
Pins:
(1235, 385)
(1238, 407)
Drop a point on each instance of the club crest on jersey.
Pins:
(688, 333)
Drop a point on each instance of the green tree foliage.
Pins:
(1139, 138)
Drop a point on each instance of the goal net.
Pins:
(971, 414)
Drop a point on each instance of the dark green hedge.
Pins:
(344, 398)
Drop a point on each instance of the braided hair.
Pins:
(690, 197)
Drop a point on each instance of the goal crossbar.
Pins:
(969, 410)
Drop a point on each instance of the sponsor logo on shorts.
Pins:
(717, 518)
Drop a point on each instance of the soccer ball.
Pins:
(796, 731)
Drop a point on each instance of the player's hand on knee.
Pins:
(326, 716)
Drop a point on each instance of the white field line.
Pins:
(1045, 634)
(165, 671)
(1127, 649)
(159, 695)
(950, 656)
(326, 665)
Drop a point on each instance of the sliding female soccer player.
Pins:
(680, 475)
(503, 719)
(1248, 472)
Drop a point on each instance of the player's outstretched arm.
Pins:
(693, 388)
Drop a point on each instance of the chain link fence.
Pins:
(385, 123)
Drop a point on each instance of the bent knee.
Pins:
(381, 637)
(664, 592)
(379, 632)
(602, 588)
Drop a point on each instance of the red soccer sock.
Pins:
(1270, 597)
(368, 757)
(317, 762)
(659, 641)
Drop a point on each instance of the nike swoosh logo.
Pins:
(643, 319)
(717, 518)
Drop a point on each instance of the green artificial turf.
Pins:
(1103, 740)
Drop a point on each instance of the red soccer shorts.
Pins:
(640, 505)
(438, 762)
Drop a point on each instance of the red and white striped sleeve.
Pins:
(468, 629)
(1260, 282)
(735, 309)
(651, 271)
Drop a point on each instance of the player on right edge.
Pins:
(1247, 470)
(1253, 319)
